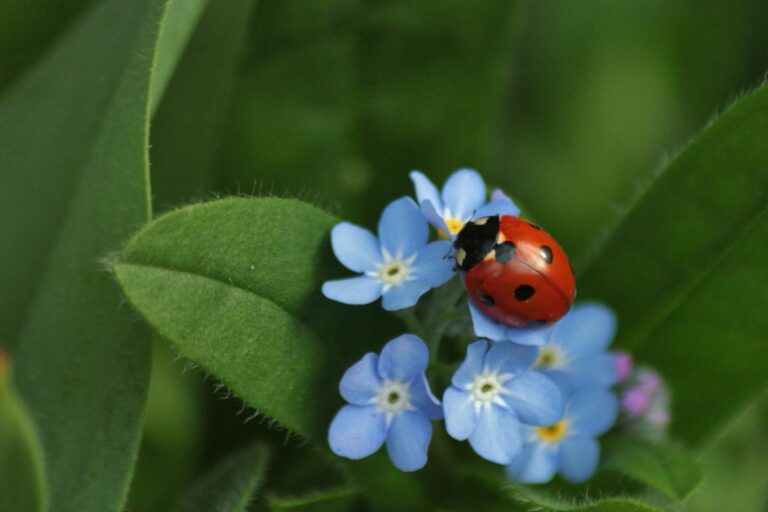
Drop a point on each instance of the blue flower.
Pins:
(399, 265)
(488, 328)
(463, 196)
(575, 353)
(570, 445)
(493, 393)
(390, 401)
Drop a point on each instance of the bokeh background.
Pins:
(569, 106)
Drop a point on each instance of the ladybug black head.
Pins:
(475, 240)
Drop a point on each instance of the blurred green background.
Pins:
(569, 106)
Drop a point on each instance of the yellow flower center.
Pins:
(453, 225)
(553, 433)
(549, 357)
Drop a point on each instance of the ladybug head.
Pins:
(475, 240)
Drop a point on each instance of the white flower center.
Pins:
(394, 270)
(394, 397)
(487, 388)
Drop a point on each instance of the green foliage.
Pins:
(75, 170)
(666, 468)
(535, 500)
(683, 270)
(234, 284)
(330, 500)
(231, 484)
(188, 127)
(342, 99)
(22, 476)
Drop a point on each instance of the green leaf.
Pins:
(188, 127)
(666, 468)
(231, 485)
(22, 477)
(235, 284)
(73, 142)
(685, 270)
(179, 21)
(331, 500)
(539, 501)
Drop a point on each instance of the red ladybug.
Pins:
(516, 273)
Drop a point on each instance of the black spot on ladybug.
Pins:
(534, 226)
(546, 253)
(504, 252)
(524, 292)
(487, 300)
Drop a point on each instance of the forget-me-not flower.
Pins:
(570, 445)
(389, 401)
(493, 393)
(463, 196)
(575, 354)
(486, 327)
(399, 266)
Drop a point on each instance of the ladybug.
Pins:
(515, 272)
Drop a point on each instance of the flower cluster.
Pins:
(533, 399)
(644, 399)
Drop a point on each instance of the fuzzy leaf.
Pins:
(231, 484)
(331, 500)
(540, 501)
(234, 284)
(685, 270)
(666, 468)
(73, 143)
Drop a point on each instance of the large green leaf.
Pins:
(685, 270)
(22, 477)
(188, 127)
(664, 467)
(234, 284)
(73, 143)
(231, 484)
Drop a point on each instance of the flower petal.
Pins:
(460, 418)
(353, 290)
(501, 207)
(404, 295)
(591, 413)
(535, 399)
(435, 217)
(355, 247)
(408, 440)
(357, 432)
(498, 195)
(578, 458)
(463, 193)
(497, 435)
(473, 364)
(423, 399)
(509, 357)
(536, 464)
(402, 228)
(485, 327)
(360, 383)
(404, 358)
(434, 264)
(596, 370)
(426, 190)
(588, 328)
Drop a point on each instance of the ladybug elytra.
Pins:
(515, 272)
